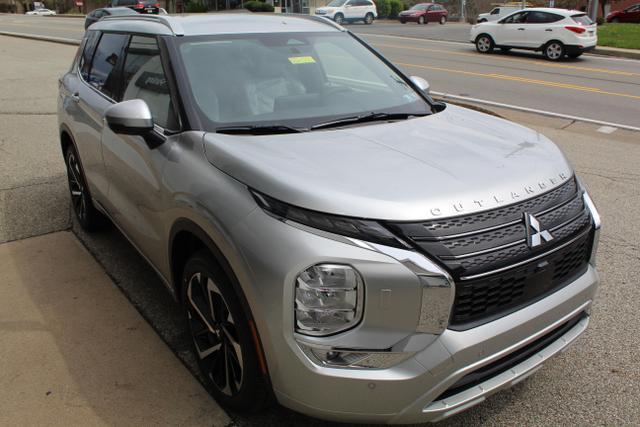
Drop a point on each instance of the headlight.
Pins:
(363, 229)
(328, 299)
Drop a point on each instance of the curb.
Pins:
(61, 40)
(620, 53)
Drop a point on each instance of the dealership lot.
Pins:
(597, 381)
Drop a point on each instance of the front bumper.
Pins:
(409, 392)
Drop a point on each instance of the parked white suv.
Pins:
(349, 11)
(555, 32)
(497, 13)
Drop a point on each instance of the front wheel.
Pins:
(484, 43)
(615, 21)
(221, 335)
(339, 18)
(368, 19)
(403, 22)
(554, 51)
(443, 20)
(421, 20)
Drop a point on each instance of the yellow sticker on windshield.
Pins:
(302, 60)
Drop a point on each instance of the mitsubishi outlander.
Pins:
(340, 242)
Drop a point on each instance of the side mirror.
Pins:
(422, 84)
(131, 117)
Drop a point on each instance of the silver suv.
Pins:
(340, 242)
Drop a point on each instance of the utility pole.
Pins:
(593, 10)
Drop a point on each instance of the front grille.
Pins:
(488, 256)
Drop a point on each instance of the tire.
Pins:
(484, 43)
(554, 50)
(615, 21)
(87, 215)
(368, 19)
(443, 20)
(421, 20)
(574, 55)
(222, 341)
(480, 21)
(338, 18)
(403, 22)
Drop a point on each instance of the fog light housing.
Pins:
(352, 359)
(328, 299)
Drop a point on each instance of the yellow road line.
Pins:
(522, 80)
(502, 58)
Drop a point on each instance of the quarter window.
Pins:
(144, 78)
(495, 11)
(104, 73)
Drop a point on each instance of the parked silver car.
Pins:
(338, 240)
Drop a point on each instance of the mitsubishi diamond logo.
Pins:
(535, 235)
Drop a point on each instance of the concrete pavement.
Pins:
(596, 382)
(32, 173)
(75, 352)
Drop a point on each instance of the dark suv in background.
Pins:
(140, 6)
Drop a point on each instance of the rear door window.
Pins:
(87, 53)
(104, 70)
(536, 17)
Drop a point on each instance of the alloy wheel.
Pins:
(76, 187)
(368, 19)
(215, 334)
(443, 20)
(483, 44)
(338, 18)
(554, 51)
(421, 20)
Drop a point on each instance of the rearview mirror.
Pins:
(131, 117)
(422, 84)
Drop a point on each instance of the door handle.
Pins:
(520, 29)
(75, 97)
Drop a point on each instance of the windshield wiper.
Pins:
(368, 117)
(259, 129)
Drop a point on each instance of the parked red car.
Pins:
(423, 13)
(630, 14)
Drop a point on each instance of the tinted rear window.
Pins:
(582, 19)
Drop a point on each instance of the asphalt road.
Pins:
(597, 382)
(594, 87)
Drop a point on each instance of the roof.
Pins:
(219, 23)
(566, 12)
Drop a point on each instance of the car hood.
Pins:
(450, 163)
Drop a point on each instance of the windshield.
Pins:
(291, 79)
(419, 7)
(337, 3)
